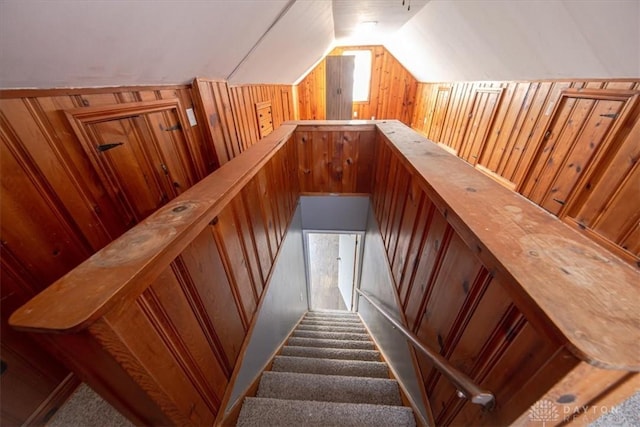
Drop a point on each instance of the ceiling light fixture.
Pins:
(367, 26)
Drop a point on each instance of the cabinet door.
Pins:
(485, 104)
(339, 91)
(578, 133)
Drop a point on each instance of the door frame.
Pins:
(360, 237)
(81, 118)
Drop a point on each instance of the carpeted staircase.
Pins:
(328, 374)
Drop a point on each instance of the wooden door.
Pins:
(133, 169)
(438, 114)
(578, 134)
(339, 92)
(484, 106)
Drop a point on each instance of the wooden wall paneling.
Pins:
(37, 229)
(244, 99)
(259, 223)
(406, 278)
(485, 102)
(335, 159)
(460, 304)
(577, 136)
(212, 101)
(34, 384)
(268, 207)
(599, 209)
(392, 89)
(45, 161)
(399, 201)
(228, 240)
(539, 144)
(218, 311)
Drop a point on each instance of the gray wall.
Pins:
(284, 303)
(377, 281)
(334, 213)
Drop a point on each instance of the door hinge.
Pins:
(105, 147)
(610, 115)
(177, 126)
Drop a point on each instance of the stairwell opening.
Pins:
(333, 265)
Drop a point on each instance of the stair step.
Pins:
(329, 388)
(350, 368)
(341, 344)
(331, 335)
(332, 314)
(356, 329)
(328, 323)
(260, 412)
(331, 353)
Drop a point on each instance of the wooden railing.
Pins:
(509, 295)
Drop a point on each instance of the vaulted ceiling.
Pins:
(73, 43)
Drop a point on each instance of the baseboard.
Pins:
(56, 399)
(230, 417)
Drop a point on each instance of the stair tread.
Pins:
(356, 329)
(260, 412)
(330, 343)
(330, 322)
(329, 388)
(331, 353)
(354, 368)
(332, 313)
(334, 335)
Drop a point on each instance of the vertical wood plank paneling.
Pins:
(244, 99)
(393, 89)
(335, 161)
(455, 305)
(549, 140)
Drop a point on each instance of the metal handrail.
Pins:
(466, 387)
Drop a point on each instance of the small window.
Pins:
(361, 74)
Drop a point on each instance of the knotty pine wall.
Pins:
(392, 94)
(231, 114)
(570, 146)
(56, 211)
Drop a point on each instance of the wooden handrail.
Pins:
(466, 387)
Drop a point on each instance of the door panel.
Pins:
(129, 167)
(346, 267)
(578, 133)
(339, 92)
(480, 120)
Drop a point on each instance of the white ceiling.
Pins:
(84, 43)
(521, 40)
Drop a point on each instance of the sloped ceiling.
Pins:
(521, 40)
(73, 43)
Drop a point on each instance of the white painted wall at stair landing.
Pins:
(377, 281)
(520, 40)
(284, 304)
